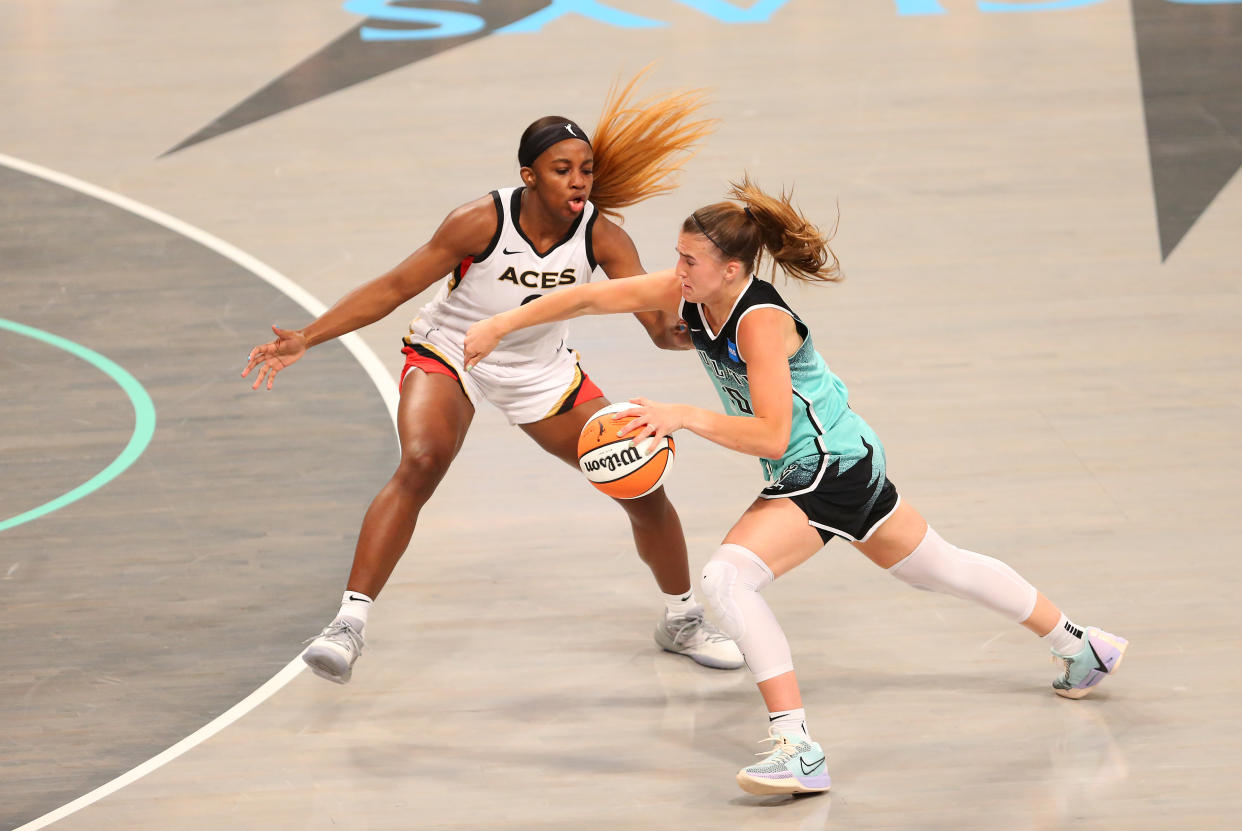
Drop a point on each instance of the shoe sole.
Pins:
(1075, 695)
(763, 787)
(322, 666)
(704, 660)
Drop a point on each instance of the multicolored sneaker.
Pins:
(332, 652)
(695, 637)
(1100, 655)
(795, 764)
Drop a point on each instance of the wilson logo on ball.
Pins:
(613, 464)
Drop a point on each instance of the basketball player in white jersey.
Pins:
(502, 250)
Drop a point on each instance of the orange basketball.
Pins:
(613, 464)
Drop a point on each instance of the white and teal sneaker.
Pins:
(332, 652)
(1100, 655)
(795, 764)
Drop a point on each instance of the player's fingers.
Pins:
(642, 435)
(633, 412)
(266, 371)
(633, 420)
(658, 432)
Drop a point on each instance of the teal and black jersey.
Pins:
(824, 432)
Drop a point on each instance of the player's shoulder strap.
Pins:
(689, 312)
(498, 202)
(589, 234)
(761, 294)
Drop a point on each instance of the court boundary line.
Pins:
(362, 353)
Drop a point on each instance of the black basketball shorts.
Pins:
(849, 504)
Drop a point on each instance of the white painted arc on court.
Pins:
(357, 347)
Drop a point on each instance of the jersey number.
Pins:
(739, 400)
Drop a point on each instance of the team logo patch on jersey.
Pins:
(733, 356)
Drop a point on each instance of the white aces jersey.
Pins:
(508, 273)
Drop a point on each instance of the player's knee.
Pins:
(421, 468)
(731, 582)
(929, 567)
(939, 566)
(718, 583)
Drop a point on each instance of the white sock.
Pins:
(355, 605)
(1065, 638)
(680, 605)
(792, 722)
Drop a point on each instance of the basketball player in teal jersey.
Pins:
(502, 250)
(825, 465)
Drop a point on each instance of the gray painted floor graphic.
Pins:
(136, 615)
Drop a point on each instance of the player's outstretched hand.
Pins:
(272, 357)
(481, 339)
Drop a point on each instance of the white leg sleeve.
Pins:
(939, 566)
(731, 583)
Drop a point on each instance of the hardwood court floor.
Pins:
(1051, 356)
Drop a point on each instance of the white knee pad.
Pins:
(731, 583)
(939, 566)
(733, 569)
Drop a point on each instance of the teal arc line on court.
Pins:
(144, 421)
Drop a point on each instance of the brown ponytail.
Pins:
(768, 223)
(636, 141)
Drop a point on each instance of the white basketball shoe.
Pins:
(795, 764)
(695, 637)
(332, 652)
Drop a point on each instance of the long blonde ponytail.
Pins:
(767, 223)
(641, 145)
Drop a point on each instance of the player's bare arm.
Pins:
(463, 232)
(650, 293)
(764, 339)
(618, 257)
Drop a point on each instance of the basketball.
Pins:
(613, 464)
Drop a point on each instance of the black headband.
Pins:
(695, 216)
(545, 137)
